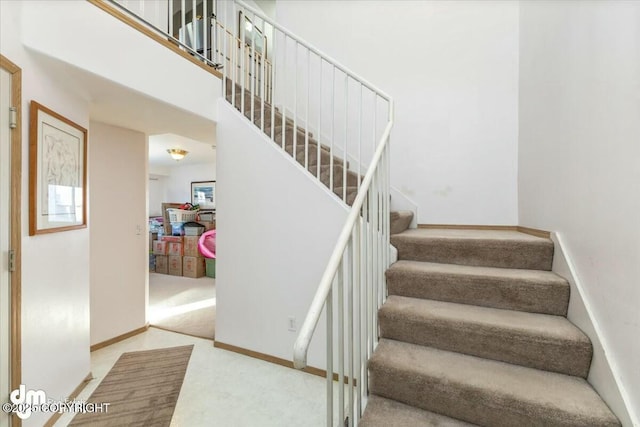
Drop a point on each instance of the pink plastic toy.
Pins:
(207, 244)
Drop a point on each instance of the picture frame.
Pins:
(203, 193)
(57, 172)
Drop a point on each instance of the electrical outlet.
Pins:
(292, 324)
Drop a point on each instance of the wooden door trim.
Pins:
(16, 227)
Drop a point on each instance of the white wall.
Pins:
(173, 184)
(276, 231)
(178, 183)
(579, 160)
(157, 194)
(452, 68)
(119, 240)
(55, 267)
(68, 29)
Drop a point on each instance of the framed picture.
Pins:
(203, 193)
(57, 172)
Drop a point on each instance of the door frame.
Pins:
(15, 233)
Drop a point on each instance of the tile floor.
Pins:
(223, 388)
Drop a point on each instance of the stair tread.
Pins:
(537, 276)
(455, 234)
(536, 291)
(547, 327)
(500, 385)
(390, 413)
(490, 248)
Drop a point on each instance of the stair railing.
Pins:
(317, 95)
(182, 42)
(324, 115)
(264, 66)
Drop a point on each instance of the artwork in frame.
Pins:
(57, 172)
(203, 193)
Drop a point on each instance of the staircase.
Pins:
(316, 158)
(474, 331)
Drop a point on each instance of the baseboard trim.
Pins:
(534, 232)
(181, 333)
(268, 358)
(119, 338)
(604, 375)
(272, 359)
(75, 393)
(526, 230)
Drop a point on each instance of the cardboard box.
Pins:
(162, 264)
(174, 249)
(152, 236)
(207, 216)
(159, 247)
(208, 225)
(193, 267)
(175, 265)
(174, 239)
(190, 246)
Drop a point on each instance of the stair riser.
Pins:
(516, 347)
(485, 253)
(483, 291)
(462, 402)
(400, 221)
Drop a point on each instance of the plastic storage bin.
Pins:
(177, 228)
(179, 215)
(193, 229)
(210, 267)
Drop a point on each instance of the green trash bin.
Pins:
(210, 267)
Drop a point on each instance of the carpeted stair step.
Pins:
(312, 165)
(277, 129)
(338, 176)
(300, 139)
(482, 391)
(489, 248)
(540, 341)
(381, 412)
(534, 291)
(352, 192)
(400, 221)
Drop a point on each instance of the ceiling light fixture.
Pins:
(177, 153)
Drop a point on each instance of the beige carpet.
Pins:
(474, 331)
(183, 304)
(142, 389)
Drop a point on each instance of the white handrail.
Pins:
(355, 271)
(263, 78)
(308, 46)
(301, 345)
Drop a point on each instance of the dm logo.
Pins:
(24, 400)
